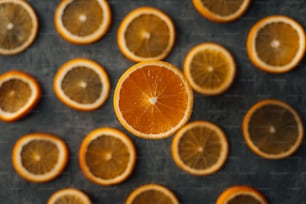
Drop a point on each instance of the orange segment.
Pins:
(152, 100)
(69, 196)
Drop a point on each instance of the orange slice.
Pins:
(200, 148)
(152, 193)
(82, 21)
(241, 195)
(107, 156)
(221, 11)
(272, 129)
(153, 99)
(276, 44)
(19, 93)
(19, 26)
(39, 157)
(69, 196)
(82, 84)
(145, 34)
(209, 68)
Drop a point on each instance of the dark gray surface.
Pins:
(282, 182)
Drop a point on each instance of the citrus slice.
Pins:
(152, 193)
(276, 44)
(19, 93)
(19, 26)
(153, 100)
(221, 11)
(272, 129)
(69, 196)
(241, 195)
(200, 148)
(82, 84)
(209, 68)
(107, 156)
(82, 21)
(39, 157)
(146, 33)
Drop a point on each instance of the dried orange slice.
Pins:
(209, 68)
(152, 193)
(82, 21)
(145, 34)
(241, 195)
(40, 157)
(107, 156)
(272, 129)
(19, 93)
(200, 148)
(82, 84)
(221, 11)
(276, 44)
(153, 100)
(69, 196)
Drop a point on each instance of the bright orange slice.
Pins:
(276, 44)
(107, 156)
(273, 129)
(152, 193)
(82, 21)
(145, 34)
(19, 93)
(40, 157)
(69, 196)
(153, 99)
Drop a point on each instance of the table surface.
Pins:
(282, 181)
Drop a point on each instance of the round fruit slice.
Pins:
(153, 100)
(82, 21)
(19, 26)
(107, 156)
(209, 68)
(241, 195)
(200, 148)
(146, 33)
(40, 157)
(273, 129)
(221, 11)
(69, 196)
(276, 44)
(152, 193)
(19, 93)
(82, 84)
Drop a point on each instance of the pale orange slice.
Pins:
(82, 21)
(39, 157)
(107, 156)
(69, 196)
(145, 34)
(276, 44)
(19, 93)
(153, 100)
(273, 129)
(82, 84)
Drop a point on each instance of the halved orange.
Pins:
(82, 84)
(153, 100)
(241, 195)
(19, 93)
(273, 129)
(69, 196)
(276, 44)
(152, 193)
(19, 26)
(82, 21)
(221, 11)
(40, 157)
(107, 156)
(200, 148)
(209, 68)
(146, 33)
